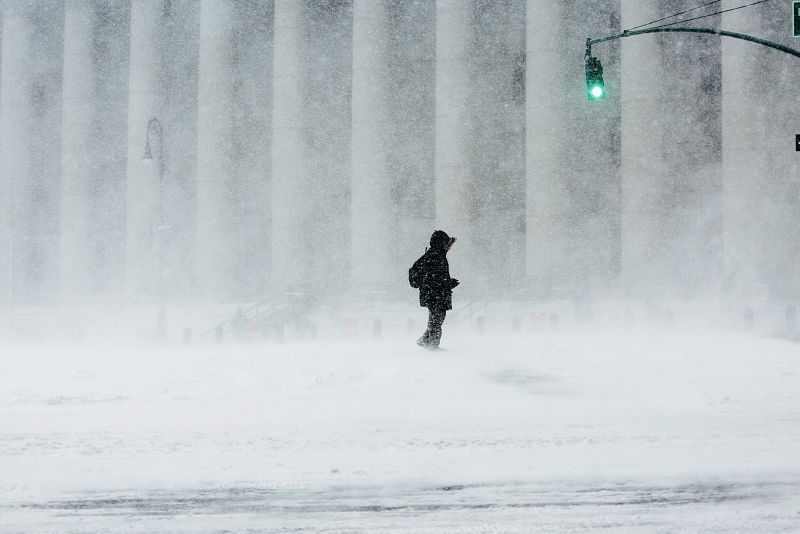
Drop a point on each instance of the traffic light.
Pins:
(595, 87)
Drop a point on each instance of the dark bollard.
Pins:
(516, 324)
(749, 318)
(219, 334)
(377, 328)
(481, 324)
(411, 325)
(791, 320)
(187, 336)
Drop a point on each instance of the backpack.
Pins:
(415, 273)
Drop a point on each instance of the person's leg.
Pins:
(426, 336)
(435, 326)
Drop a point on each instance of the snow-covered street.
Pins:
(648, 430)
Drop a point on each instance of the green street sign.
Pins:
(796, 16)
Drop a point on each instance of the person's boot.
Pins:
(434, 340)
(424, 341)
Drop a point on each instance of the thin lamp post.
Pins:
(11, 229)
(155, 130)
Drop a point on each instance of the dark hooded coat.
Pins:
(435, 284)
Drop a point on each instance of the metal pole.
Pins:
(162, 290)
(11, 272)
(712, 31)
(154, 127)
(12, 211)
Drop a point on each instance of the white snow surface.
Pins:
(659, 430)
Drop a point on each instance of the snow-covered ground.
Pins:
(658, 430)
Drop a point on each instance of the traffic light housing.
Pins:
(595, 87)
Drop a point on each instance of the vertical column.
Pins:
(372, 208)
(12, 142)
(77, 220)
(746, 153)
(31, 137)
(311, 144)
(144, 102)
(692, 152)
(163, 85)
(411, 151)
(217, 253)
(670, 159)
(644, 246)
(497, 156)
(454, 127)
(759, 121)
(290, 182)
(93, 147)
(254, 142)
(111, 58)
(6, 207)
(328, 127)
(178, 87)
(547, 197)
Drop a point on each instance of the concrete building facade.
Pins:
(316, 144)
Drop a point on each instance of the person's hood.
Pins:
(440, 240)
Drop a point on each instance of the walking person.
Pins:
(431, 275)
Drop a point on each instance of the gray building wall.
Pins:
(761, 181)
(318, 144)
(30, 130)
(671, 157)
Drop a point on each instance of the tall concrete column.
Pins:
(30, 107)
(163, 85)
(643, 121)
(498, 155)
(13, 113)
(217, 253)
(480, 139)
(671, 156)
(291, 186)
(455, 127)
(93, 147)
(145, 101)
(254, 144)
(412, 154)
(77, 220)
(329, 85)
(178, 75)
(546, 197)
(761, 169)
(312, 78)
(373, 212)
(7, 205)
(693, 156)
(393, 121)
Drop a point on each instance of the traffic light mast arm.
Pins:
(712, 31)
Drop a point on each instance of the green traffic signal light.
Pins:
(595, 87)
